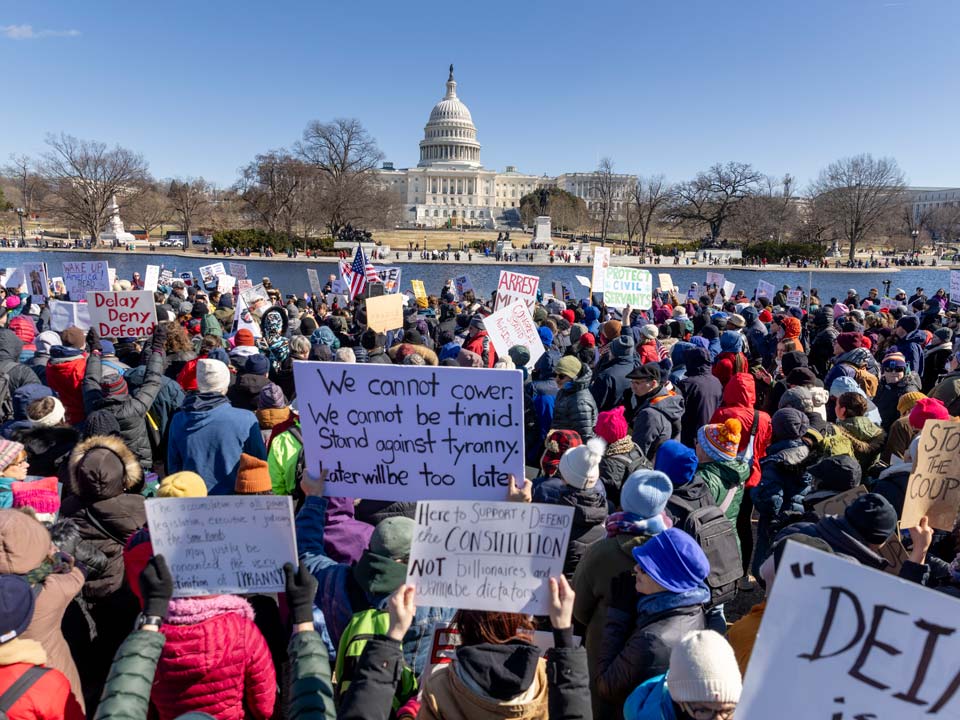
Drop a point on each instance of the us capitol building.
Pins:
(450, 186)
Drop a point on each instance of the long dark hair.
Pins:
(479, 626)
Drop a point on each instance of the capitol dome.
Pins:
(450, 138)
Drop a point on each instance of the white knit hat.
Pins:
(650, 332)
(580, 466)
(52, 418)
(703, 668)
(212, 376)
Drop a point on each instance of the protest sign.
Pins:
(187, 277)
(568, 292)
(601, 261)
(419, 292)
(224, 544)
(37, 283)
(488, 555)
(934, 486)
(955, 287)
(840, 641)
(894, 553)
(583, 280)
(151, 278)
(888, 303)
(238, 270)
(256, 298)
(315, 287)
(513, 325)
(390, 276)
(122, 314)
(628, 286)
(402, 432)
(666, 282)
(794, 298)
(243, 319)
(225, 283)
(210, 273)
(244, 284)
(64, 314)
(462, 284)
(13, 278)
(385, 312)
(513, 286)
(57, 286)
(728, 286)
(838, 503)
(112, 277)
(715, 278)
(166, 277)
(82, 276)
(765, 289)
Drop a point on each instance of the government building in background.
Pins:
(450, 187)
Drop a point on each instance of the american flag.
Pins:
(359, 273)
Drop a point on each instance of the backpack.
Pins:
(6, 395)
(746, 455)
(717, 537)
(364, 626)
(867, 381)
(301, 470)
(20, 686)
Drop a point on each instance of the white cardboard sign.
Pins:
(224, 544)
(765, 289)
(794, 298)
(402, 432)
(64, 314)
(151, 278)
(955, 287)
(842, 641)
(238, 270)
(934, 487)
(512, 325)
(666, 282)
(225, 283)
(122, 314)
(82, 276)
(601, 261)
(209, 273)
(728, 287)
(488, 555)
(514, 286)
(628, 286)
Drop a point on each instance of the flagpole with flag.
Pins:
(360, 273)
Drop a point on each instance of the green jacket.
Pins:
(282, 463)
(311, 694)
(721, 477)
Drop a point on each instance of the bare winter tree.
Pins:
(644, 207)
(767, 215)
(345, 157)
(714, 196)
(944, 223)
(28, 184)
(604, 194)
(272, 188)
(148, 209)
(81, 177)
(189, 198)
(859, 194)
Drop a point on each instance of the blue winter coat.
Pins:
(208, 435)
(650, 701)
(783, 479)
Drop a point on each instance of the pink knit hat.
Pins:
(41, 495)
(11, 302)
(927, 408)
(611, 425)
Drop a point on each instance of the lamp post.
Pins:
(20, 213)
(914, 234)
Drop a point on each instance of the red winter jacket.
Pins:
(215, 661)
(49, 698)
(25, 329)
(65, 377)
(725, 366)
(739, 396)
(478, 343)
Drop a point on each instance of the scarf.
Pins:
(20, 650)
(58, 563)
(379, 575)
(620, 447)
(649, 605)
(626, 523)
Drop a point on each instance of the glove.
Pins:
(93, 340)
(156, 586)
(160, 337)
(623, 593)
(301, 589)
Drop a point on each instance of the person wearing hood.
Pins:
(811, 401)
(703, 681)
(702, 393)
(711, 334)
(910, 342)
(591, 318)
(739, 401)
(539, 396)
(866, 437)
(344, 590)
(208, 435)
(245, 392)
(109, 392)
(479, 342)
(654, 408)
(43, 343)
(375, 345)
(755, 331)
(574, 407)
(578, 486)
(610, 379)
(272, 410)
(621, 456)
(731, 359)
(25, 329)
(650, 612)
(225, 312)
(678, 369)
(895, 382)
(789, 361)
(935, 357)
(65, 372)
(784, 480)
(643, 498)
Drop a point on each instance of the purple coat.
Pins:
(344, 538)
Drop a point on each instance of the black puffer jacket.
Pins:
(614, 470)
(610, 380)
(589, 513)
(655, 418)
(130, 409)
(17, 374)
(889, 395)
(245, 393)
(105, 480)
(574, 407)
(48, 448)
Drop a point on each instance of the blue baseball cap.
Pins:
(674, 560)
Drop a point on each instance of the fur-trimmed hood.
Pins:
(102, 467)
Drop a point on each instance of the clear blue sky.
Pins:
(667, 86)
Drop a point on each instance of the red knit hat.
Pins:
(588, 340)
(612, 425)
(927, 409)
(849, 341)
(244, 338)
(556, 444)
(766, 315)
(569, 316)
(113, 385)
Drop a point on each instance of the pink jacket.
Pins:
(215, 661)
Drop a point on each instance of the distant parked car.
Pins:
(171, 242)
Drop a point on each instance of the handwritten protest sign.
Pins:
(715, 278)
(463, 284)
(37, 283)
(765, 289)
(238, 270)
(166, 277)
(512, 325)
(628, 286)
(122, 314)
(419, 292)
(601, 261)
(82, 276)
(391, 432)
(64, 314)
(243, 319)
(210, 273)
(385, 312)
(315, 287)
(224, 544)
(955, 287)
(151, 278)
(838, 503)
(840, 641)
(794, 298)
(513, 287)
(225, 283)
(934, 487)
(488, 555)
(728, 286)
(894, 553)
(666, 282)
(244, 284)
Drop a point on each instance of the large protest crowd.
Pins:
(695, 439)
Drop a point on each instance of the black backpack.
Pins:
(717, 537)
(19, 687)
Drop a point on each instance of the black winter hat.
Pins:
(710, 332)
(873, 517)
(838, 473)
(789, 424)
(792, 360)
(647, 371)
(801, 376)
